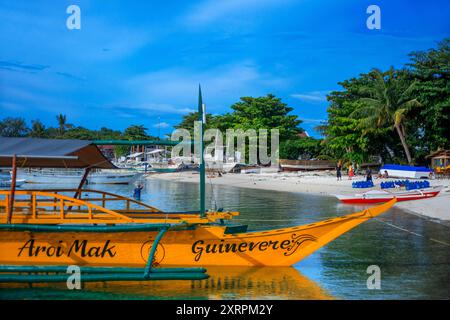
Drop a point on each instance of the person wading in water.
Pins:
(137, 191)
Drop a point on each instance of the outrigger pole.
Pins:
(82, 182)
(13, 188)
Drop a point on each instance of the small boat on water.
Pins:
(380, 196)
(73, 176)
(7, 183)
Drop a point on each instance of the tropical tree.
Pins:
(136, 132)
(343, 136)
(61, 118)
(266, 112)
(188, 120)
(37, 129)
(304, 148)
(387, 101)
(430, 129)
(13, 127)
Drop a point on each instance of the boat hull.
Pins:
(306, 165)
(204, 245)
(400, 198)
(408, 172)
(7, 183)
(75, 179)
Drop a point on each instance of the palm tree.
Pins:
(387, 102)
(61, 118)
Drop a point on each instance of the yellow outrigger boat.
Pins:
(45, 230)
(50, 228)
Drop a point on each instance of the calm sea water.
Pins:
(414, 264)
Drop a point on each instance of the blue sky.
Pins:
(134, 62)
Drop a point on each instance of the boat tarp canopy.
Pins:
(52, 153)
(405, 168)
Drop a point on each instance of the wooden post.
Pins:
(13, 188)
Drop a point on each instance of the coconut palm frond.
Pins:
(364, 112)
(368, 123)
(407, 93)
(411, 104)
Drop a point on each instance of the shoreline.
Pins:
(319, 183)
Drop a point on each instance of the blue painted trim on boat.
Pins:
(405, 168)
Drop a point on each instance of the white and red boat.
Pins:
(378, 196)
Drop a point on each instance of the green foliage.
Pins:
(188, 122)
(13, 127)
(431, 128)
(61, 118)
(343, 135)
(37, 129)
(136, 132)
(17, 127)
(264, 113)
(302, 148)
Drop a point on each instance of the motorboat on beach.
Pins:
(380, 196)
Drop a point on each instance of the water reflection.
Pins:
(224, 283)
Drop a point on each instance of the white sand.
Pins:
(320, 183)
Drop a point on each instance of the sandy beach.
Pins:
(320, 183)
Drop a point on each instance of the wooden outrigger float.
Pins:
(42, 230)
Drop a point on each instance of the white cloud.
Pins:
(178, 86)
(312, 96)
(161, 125)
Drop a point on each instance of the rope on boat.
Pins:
(411, 232)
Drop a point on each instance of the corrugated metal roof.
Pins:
(52, 153)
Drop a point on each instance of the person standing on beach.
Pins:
(339, 171)
(350, 172)
(368, 175)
